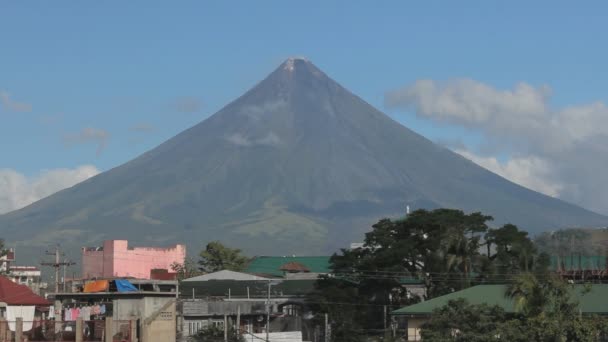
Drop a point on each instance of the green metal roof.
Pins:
(593, 302)
(270, 265)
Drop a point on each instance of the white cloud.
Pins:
(569, 141)
(18, 191)
(9, 104)
(256, 112)
(89, 135)
(532, 172)
(270, 139)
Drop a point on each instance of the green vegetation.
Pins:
(443, 251)
(186, 270)
(215, 333)
(545, 311)
(217, 257)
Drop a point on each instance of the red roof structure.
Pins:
(15, 294)
(294, 267)
(162, 274)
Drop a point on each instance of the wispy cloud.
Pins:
(558, 151)
(270, 139)
(11, 105)
(18, 190)
(89, 135)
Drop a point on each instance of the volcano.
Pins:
(296, 165)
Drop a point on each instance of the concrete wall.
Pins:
(92, 264)
(162, 327)
(156, 316)
(118, 260)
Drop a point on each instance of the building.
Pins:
(247, 301)
(411, 318)
(6, 260)
(289, 267)
(29, 276)
(140, 309)
(18, 301)
(116, 259)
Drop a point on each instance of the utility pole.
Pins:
(57, 265)
(326, 328)
(268, 315)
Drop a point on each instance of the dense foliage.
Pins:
(443, 250)
(213, 333)
(217, 257)
(545, 311)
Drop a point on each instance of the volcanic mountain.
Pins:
(297, 165)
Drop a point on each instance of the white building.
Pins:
(27, 275)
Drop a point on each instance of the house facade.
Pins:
(250, 303)
(29, 276)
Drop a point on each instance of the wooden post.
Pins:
(3, 328)
(19, 330)
(326, 328)
(79, 330)
(109, 330)
(58, 317)
(385, 322)
(225, 328)
(133, 324)
(238, 321)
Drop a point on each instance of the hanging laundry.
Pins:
(26, 312)
(85, 313)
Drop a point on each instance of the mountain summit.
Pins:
(297, 164)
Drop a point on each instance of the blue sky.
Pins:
(122, 72)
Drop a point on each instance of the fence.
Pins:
(67, 331)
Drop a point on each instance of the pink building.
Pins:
(117, 259)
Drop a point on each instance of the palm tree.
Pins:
(528, 294)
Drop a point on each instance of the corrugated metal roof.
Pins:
(225, 275)
(595, 301)
(271, 265)
(15, 294)
(240, 288)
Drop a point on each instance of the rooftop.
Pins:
(272, 265)
(15, 294)
(593, 302)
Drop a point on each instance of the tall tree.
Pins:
(186, 270)
(217, 257)
(440, 248)
(511, 250)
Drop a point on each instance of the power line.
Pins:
(57, 265)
